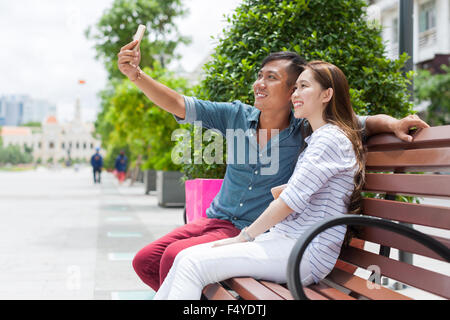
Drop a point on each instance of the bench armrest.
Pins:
(293, 268)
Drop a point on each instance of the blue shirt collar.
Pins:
(255, 113)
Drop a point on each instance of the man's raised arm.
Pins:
(162, 96)
(383, 123)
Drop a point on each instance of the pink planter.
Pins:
(199, 195)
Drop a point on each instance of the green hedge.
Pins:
(335, 31)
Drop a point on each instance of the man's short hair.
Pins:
(296, 66)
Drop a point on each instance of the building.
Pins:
(16, 110)
(36, 110)
(431, 44)
(55, 141)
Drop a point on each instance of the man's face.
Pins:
(271, 88)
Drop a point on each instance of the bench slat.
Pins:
(330, 292)
(359, 285)
(427, 160)
(430, 281)
(250, 289)
(278, 289)
(425, 138)
(313, 295)
(422, 214)
(394, 240)
(412, 184)
(429, 152)
(215, 291)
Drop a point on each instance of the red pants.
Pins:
(153, 262)
(121, 176)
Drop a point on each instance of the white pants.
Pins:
(195, 267)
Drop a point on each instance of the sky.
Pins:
(44, 51)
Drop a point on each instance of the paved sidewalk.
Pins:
(63, 237)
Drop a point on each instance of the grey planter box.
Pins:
(170, 189)
(150, 181)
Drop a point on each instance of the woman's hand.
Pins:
(239, 238)
(276, 191)
(129, 59)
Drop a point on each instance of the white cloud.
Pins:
(44, 52)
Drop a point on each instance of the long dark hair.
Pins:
(339, 112)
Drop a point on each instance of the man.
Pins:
(245, 191)
(97, 164)
(121, 166)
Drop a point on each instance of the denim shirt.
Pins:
(245, 191)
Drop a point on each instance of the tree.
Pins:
(334, 31)
(436, 90)
(141, 126)
(13, 155)
(119, 23)
(115, 29)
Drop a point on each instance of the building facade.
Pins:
(16, 110)
(54, 141)
(431, 44)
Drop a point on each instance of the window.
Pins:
(427, 16)
(395, 30)
(63, 146)
(51, 145)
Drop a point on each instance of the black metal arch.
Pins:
(293, 268)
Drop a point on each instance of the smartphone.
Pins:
(139, 35)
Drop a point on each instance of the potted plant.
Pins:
(169, 183)
(199, 195)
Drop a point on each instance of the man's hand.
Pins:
(129, 59)
(402, 127)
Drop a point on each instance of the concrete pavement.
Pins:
(63, 237)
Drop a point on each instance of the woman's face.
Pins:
(308, 98)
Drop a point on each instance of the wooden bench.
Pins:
(428, 155)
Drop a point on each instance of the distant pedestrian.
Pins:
(97, 165)
(121, 166)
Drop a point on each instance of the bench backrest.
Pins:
(420, 168)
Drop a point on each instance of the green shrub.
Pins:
(140, 126)
(13, 155)
(435, 89)
(335, 31)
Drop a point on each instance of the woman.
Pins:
(327, 181)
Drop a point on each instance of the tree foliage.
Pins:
(12, 154)
(436, 90)
(119, 23)
(127, 119)
(334, 31)
(140, 126)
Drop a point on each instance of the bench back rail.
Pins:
(394, 168)
(409, 169)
